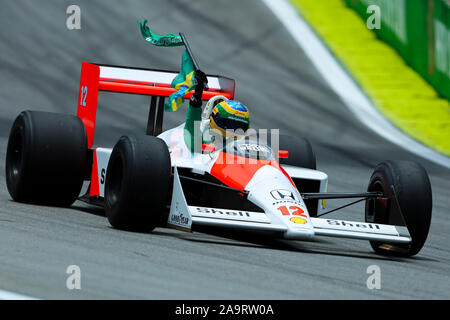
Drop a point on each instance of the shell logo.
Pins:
(297, 212)
(298, 220)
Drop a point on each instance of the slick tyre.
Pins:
(300, 150)
(46, 158)
(413, 189)
(137, 183)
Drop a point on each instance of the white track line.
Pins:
(7, 295)
(344, 85)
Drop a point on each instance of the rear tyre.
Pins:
(413, 189)
(300, 150)
(137, 183)
(46, 158)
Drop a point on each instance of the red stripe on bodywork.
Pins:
(88, 98)
(95, 188)
(236, 172)
(145, 89)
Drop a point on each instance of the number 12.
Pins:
(296, 211)
(83, 96)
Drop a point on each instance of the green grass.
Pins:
(400, 93)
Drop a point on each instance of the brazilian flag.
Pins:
(184, 82)
(169, 40)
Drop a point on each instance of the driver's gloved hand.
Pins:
(201, 81)
(200, 78)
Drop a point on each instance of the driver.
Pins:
(221, 118)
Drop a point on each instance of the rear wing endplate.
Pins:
(154, 83)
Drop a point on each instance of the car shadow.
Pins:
(239, 238)
(98, 211)
(254, 240)
(321, 246)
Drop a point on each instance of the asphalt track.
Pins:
(39, 69)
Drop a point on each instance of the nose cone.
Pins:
(300, 234)
(272, 191)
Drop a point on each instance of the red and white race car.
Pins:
(151, 179)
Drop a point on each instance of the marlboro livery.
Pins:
(151, 180)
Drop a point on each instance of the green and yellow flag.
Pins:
(169, 40)
(184, 82)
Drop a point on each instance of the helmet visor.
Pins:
(229, 123)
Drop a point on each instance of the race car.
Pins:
(251, 184)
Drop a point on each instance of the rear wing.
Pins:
(154, 83)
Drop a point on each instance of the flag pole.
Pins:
(189, 51)
(191, 55)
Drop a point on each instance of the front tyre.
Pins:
(413, 189)
(137, 183)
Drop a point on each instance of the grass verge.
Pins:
(399, 93)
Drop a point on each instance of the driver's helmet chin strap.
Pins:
(204, 124)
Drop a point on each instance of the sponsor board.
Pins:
(282, 194)
(285, 197)
(354, 226)
(227, 214)
(102, 155)
(253, 148)
(179, 216)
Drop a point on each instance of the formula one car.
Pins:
(248, 184)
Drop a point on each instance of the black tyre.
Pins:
(413, 189)
(46, 158)
(300, 150)
(137, 183)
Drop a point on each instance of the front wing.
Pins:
(182, 216)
